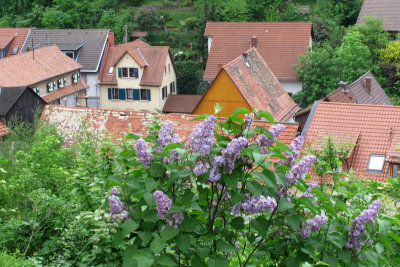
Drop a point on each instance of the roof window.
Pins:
(111, 70)
(14, 50)
(376, 163)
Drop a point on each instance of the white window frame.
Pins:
(62, 82)
(51, 86)
(111, 70)
(140, 95)
(36, 89)
(115, 96)
(375, 161)
(76, 77)
(127, 94)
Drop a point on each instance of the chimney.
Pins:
(219, 66)
(111, 40)
(254, 42)
(344, 86)
(368, 84)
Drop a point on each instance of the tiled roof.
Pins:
(20, 35)
(5, 39)
(181, 103)
(388, 10)
(259, 86)
(28, 68)
(93, 41)
(139, 34)
(115, 123)
(377, 127)
(152, 58)
(279, 43)
(68, 90)
(3, 129)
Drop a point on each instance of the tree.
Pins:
(54, 18)
(234, 10)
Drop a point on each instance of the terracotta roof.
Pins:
(93, 41)
(5, 39)
(139, 34)
(20, 35)
(259, 86)
(181, 103)
(388, 10)
(279, 43)
(152, 58)
(68, 90)
(3, 129)
(23, 69)
(377, 127)
(70, 120)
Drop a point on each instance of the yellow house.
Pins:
(137, 76)
(248, 82)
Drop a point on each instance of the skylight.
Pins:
(111, 70)
(376, 162)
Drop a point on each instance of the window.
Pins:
(129, 94)
(76, 77)
(128, 72)
(111, 70)
(62, 82)
(395, 171)
(69, 54)
(165, 71)
(169, 68)
(36, 89)
(124, 72)
(172, 88)
(164, 92)
(376, 163)
(51, 86)
(114, 93)
(131, 72)
(143, 94)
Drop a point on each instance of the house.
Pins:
(247, 81)
(181, 103)
(117, 123)
(20, 103)
(49, 72)
(373, 129)
(387, 10)
(12, 40)
(85, 46)
(279, 44)
(365, 90)
(137, 76)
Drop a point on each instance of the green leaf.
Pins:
(336, 239)
(266, 115)
(293, 221)
(258, 157)
(321, 263)
(217, 108)
(254, 187)
(151, 184)
(144, 260)
(371, 256)
(394, 237)
(217, 262)
(283, 146)
(237, 223)
(128, 227)
(342, 207)
(310, 250)
(200, 117)
(150, 215)
(156, 169)
(330, 258)
(202, 252)
(118, 238)
(236, 119)
(224, 246)
(189, 224)
(280, 177)
(260, 224)
(179, 173)
(168, 233)
(284, 205)
(145, 237)
(172, 146)
(157, 245)
(230, 180)
(236, 197)
(240, 111)
(345, 256)
(133, 136)
(183, 242)
(307, 204)
(330, 209)
(149, 198)
(166, 260)
(267, 176)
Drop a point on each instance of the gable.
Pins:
(224, 92)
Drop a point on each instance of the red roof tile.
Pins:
(378, 128)
(23, 69)
(111, 122)
(152, 58)
(3, 129)
(5, 39)
(388, 10)
(20, 35)
(68, 90)
(181, 103)
(280, 44)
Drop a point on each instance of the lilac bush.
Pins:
(117, 208)
(314, 224)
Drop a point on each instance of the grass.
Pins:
(180, 39)
(175, 18)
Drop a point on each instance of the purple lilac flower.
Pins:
(226, 196)
(264, 142)
(164, 203)
(357, 229)
(218, 161)
(310, 187)
(143, 153)
(313, 224)
(248, 120)
(215, 175)
(258, 204)
(232, 151)
(298, 170)
(295, 146)
(235, 209)
(202, 137)
(201, 168)
(174, 219)
(165, 137)
(117, 208)
(277, 130)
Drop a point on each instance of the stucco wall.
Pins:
(43, 85)
(156, 102)
(292, 87)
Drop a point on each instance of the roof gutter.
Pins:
(26, 39)
(309, 118)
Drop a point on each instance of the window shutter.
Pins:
(121, 94)
(109, 93)
(148, 95)
(65, 81)
(163, 93)
(170, 88)
(136, 73)
(136, 94)
(119, 72)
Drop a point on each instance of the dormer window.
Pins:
(51, 86)
(70, 54)
(111, 70)
(376, 163)
(62, 82)
(128, 72)
(76, 77)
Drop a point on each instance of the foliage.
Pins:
(15, 261)
(190, 76)
(235, 10)
(391, 54)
